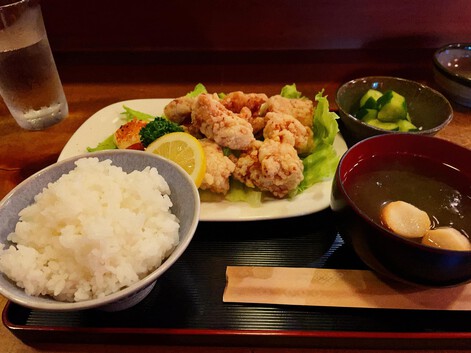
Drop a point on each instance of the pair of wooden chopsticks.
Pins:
(336, 288)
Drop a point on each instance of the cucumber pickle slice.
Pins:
(369, 99)
(392, 106)
(387, 111)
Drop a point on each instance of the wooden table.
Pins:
(95, 80)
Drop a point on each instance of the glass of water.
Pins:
(29, 82)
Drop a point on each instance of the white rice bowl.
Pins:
(91, 233)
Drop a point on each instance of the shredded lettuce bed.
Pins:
(106, 144)
(130, 114)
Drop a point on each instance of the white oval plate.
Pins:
(105, 122)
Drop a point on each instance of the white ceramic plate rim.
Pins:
(104, 122)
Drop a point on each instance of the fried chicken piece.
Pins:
(179, 109)
(248, 106)
(300, 108)
(247, 165)
(257, 122)
(285, 128)
(127, 136)
(218, 168)
(221, 125)
(271, 166)
(235, 101)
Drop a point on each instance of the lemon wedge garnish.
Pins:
(183, 149)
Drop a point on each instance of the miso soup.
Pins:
(438, 189)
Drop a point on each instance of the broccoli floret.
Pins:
(157, 128)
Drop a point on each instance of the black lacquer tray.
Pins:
(186, 305)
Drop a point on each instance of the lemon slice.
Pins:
(183, 149)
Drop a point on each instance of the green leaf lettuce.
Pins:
(199, 88)
(130, 114)
(290, 91)
(321, 164)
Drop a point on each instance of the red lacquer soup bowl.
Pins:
(429, 173)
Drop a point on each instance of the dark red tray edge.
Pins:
(211, 337)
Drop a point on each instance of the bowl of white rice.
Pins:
(95, 231)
